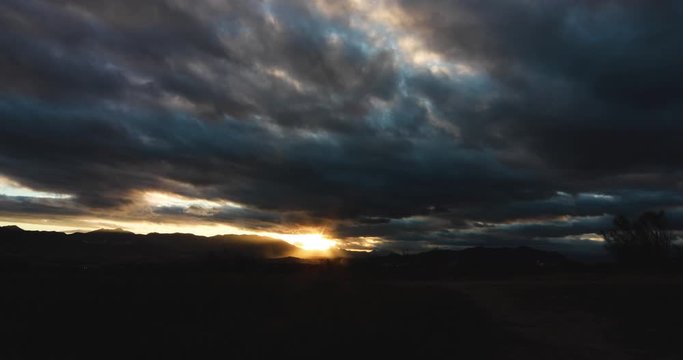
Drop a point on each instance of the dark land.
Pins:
(112, 294)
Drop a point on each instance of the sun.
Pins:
(311, 242)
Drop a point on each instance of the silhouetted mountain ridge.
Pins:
(117, 246)
(476, 259)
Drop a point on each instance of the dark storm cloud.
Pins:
(242, 217)
(584, 86)
(17, 205)
(96, 155)
(438, 122)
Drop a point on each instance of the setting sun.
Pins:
(313, 242)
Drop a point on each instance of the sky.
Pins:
(389, 125)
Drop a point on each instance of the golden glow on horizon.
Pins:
(313, 242)
(362, 243)
(358, 250)
(43, 225)
(310, 240)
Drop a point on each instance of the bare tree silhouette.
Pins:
(643, 241)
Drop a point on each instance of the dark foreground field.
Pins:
(99, 314)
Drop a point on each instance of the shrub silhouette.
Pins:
(644, 241)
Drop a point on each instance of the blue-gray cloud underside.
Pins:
(431, 122)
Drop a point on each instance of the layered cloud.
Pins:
(407, 123)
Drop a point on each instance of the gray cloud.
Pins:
(493, 114)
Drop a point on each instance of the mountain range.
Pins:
(118, 247)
